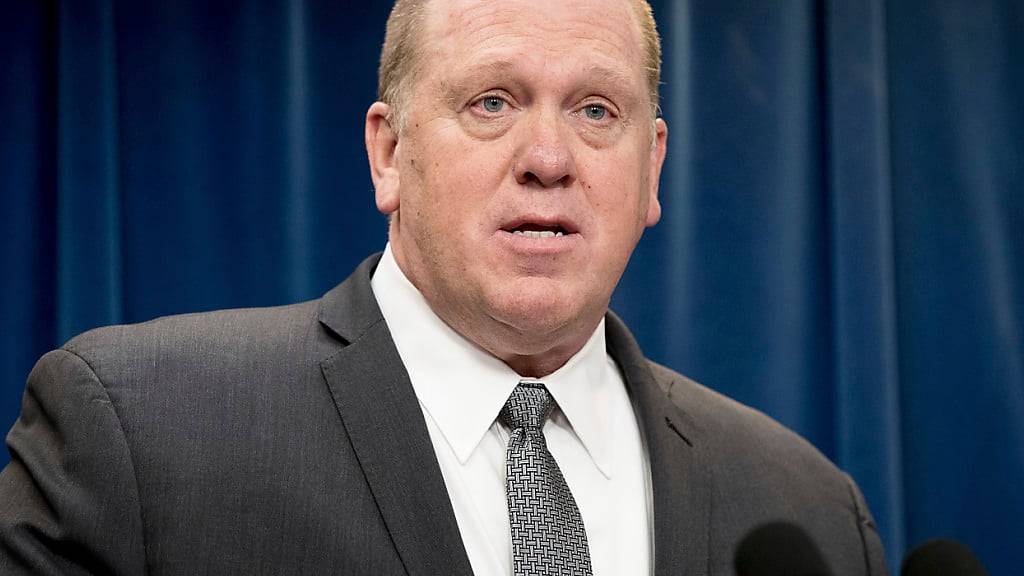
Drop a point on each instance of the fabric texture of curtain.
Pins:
(841, 245)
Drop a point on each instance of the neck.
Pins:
(542, 364)
(525, 340)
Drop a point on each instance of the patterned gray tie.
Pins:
(547, 530)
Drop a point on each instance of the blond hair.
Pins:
(400, 57)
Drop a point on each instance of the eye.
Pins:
(595, 111)
(492, 104)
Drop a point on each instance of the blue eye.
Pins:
(595, 112)
(493, 104)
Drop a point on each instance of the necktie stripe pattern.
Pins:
(548, 537)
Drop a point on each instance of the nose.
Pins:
(544, 156)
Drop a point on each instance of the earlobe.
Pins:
(381, 149)
(653, 209)
(658, 150)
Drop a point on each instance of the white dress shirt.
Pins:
(592, 434)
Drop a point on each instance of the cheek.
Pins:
(450, 206)
(618, 195)
(464, 192)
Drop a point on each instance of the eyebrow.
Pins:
(614, 77)
(454, 88)
(504, 68)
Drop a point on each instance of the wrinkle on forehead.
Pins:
(469, 25)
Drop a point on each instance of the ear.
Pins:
(658, 149)
(381, 148)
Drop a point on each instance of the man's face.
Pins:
(527, 170)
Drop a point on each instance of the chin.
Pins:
(540, 313)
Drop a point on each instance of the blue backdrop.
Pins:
(841, 246)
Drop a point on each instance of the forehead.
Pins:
(601, 33)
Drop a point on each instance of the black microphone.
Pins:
(779, 549)
(942, 557)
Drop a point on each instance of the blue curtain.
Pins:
(841, 246)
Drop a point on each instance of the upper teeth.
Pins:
(537, 233)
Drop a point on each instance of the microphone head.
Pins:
(942, 557)
(779, 549)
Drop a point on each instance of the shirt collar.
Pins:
(462, 387)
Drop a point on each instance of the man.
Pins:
(463, 403)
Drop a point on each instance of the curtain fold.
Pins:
(957, 157)
(88, 212)
(864, 338)
(28, 184)
(840, 247)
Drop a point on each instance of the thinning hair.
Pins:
(401, 56)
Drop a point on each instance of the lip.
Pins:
(525, 246)
(568, 226)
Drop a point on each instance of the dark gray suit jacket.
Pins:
(289, 441)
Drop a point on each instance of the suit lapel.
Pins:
(382, 416)
(385, 425)
(681, 484)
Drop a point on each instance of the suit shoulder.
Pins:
(740, 433)
(762, 472)
(212, 325)
(223, 334)
(699, 400)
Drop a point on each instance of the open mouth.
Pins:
(538, 231)
(539, 227)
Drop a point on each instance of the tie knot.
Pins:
(528, 407)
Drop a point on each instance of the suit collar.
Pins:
(443, 365)
(371, 387)
(681, 485)
(385, 426)
(350, 309)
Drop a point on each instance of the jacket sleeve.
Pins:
(874, 554)
(69, 501)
